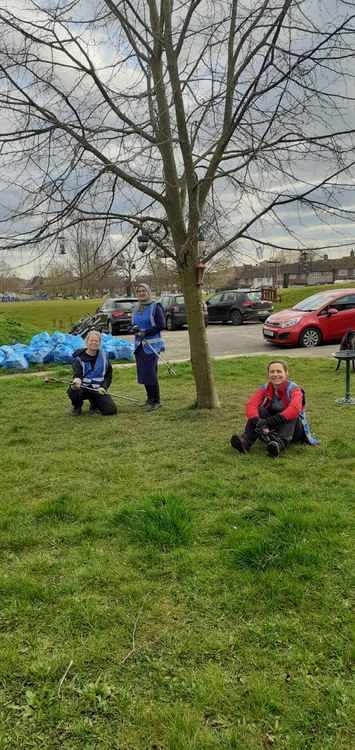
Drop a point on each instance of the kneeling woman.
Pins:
(275, 414)
(92, 377)
(148, 320)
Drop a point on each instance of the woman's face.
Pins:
(142, 293)
(277, 373)
(93, 342)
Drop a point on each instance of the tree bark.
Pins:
(206, 392)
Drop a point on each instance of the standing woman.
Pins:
(148, 321)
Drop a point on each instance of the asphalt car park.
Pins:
(229, 341)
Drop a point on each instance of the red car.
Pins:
(323, 317)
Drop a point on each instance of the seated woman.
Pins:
(275, 414)
(92, 377)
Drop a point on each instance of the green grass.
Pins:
(161, 592)
(12, 331)
(47, 315)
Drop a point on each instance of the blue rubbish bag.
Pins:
(40, 340)
(75, 341)
(63, 354)
(58, 338)
(40, 356)
(117, 348)
(14, 357)
(2, 358)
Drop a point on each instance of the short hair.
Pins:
(93, 333)
(278, 362)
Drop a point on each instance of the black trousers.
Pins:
(153, 393)
(284, 434)
(105, 404)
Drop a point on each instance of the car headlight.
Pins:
(288, 323)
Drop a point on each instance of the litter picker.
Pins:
(171, 370)
(49, 380)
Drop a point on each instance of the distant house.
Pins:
(305, 272)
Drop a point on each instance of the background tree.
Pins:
(134, 114)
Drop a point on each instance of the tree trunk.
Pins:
(206, 393)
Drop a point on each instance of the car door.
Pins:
(338, 323)
(180, 310)
(229, 300)
(215, 307)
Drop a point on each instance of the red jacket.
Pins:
(292, 399)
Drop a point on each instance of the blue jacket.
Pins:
(151, 320)
(92, 376)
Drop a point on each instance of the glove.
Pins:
(275, 421)
(76, 384)
(261, 426)
(135, 330)
(102, 391)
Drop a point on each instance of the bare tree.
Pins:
(130, 265)
(87, 257)
(135, 114)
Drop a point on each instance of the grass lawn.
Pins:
(160, 591)
(46, 315)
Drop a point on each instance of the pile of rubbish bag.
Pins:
(59, 348)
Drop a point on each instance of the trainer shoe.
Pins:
(273, 449)
(155, 405)
(76, 412)
(239, 444)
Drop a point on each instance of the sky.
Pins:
(306, 228)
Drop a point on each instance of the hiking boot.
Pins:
(76, 411)
(273, 449)
(239, 444)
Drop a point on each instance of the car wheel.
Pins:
(170, 325)
(236, 318)
(310, 337)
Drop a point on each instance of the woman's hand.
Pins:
(261, 426)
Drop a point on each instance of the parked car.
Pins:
(325, 316)
(238, 305)
(175, 311)
(115, 314)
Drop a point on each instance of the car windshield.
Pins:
(124, 305)
(116, 305)
(314, 302)
(254, 296)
